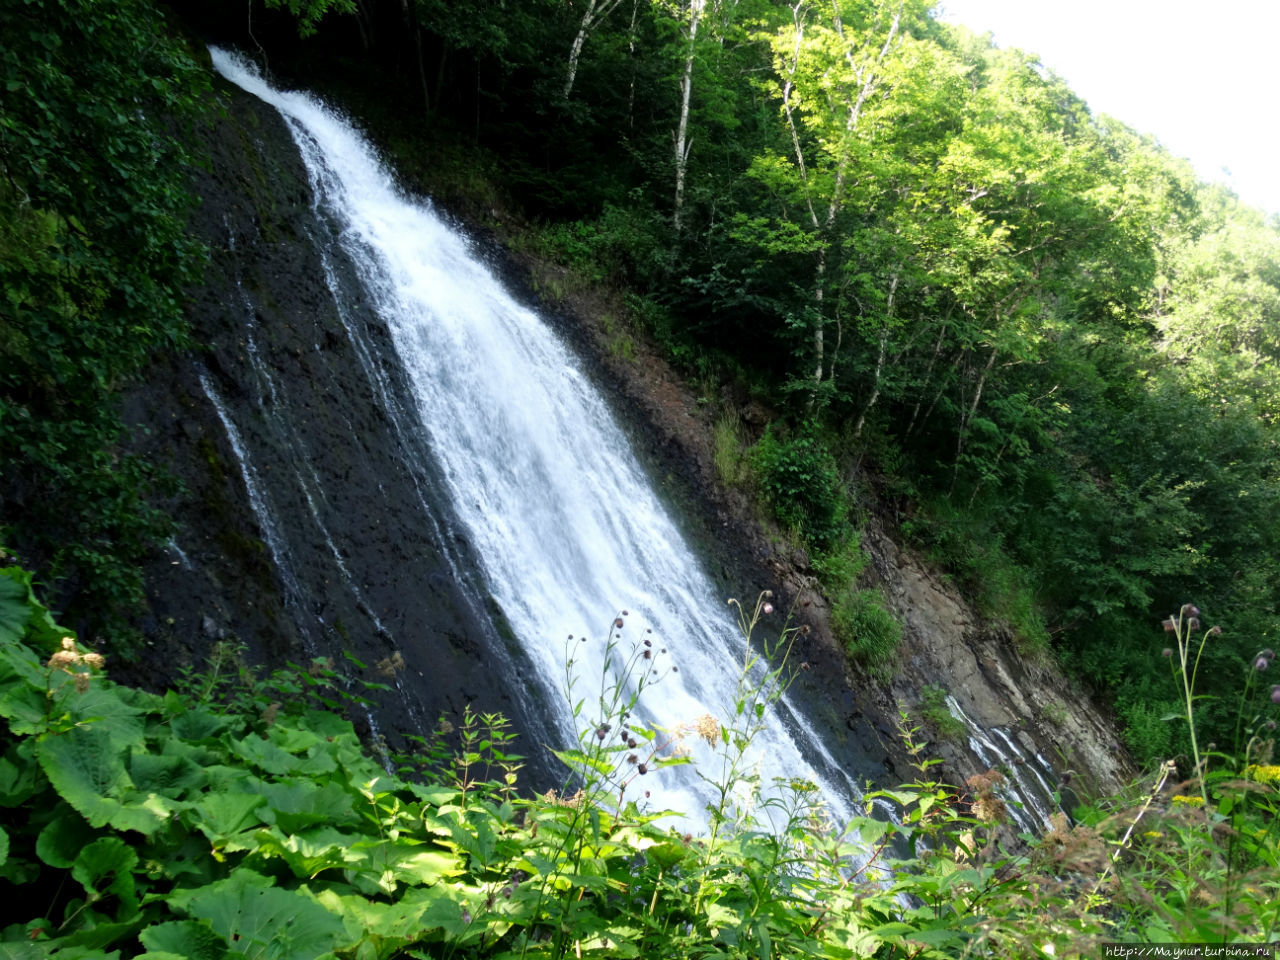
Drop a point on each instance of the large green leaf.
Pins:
(295, 806)
(386, 928)
(19, 777)
(105, 869)
(89, 772)
(169, 776)
(260, 920)
(223, 815)
(14, 611)
(62, 839)
(4, 846)
(199, 723)
(185, 938)
(23, 616)
(309, 853)
(106, 707)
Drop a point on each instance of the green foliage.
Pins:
(309, 13)
(96, 101)
(239, 816)
(799, 480)
(866, 631)
(727, 449)
(937, 715)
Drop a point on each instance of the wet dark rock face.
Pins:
(329, 537)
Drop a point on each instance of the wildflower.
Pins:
(707, 728)
(1166, 652)
(1186, 801)
(1215, 630)
(1190, 610)
(95, 660)
(1268, 773)
(1268, 653)
(63, 659)
(767, 608)
(618, 623)
(643, 768)
(1170, 625)
(1153, 834)
(1261, 663)
(1275, 693)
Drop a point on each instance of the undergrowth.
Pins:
(238, 815)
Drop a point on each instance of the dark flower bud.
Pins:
(1215, 630)
(1193, 623)
(600, 733)
(1190, 610)
(618, 623)
(632, 758)
(1275, 693)
(643, 768)
(1261, 663)
(648, 654)
(1268, 653)
(631, 742)
(626, 613)
(1269, 725)
(1166, 652)
(1170, 625)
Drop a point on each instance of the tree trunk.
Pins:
(884, 345)
(686, 89)
(968, 415)
(595, 12)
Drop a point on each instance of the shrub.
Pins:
(800, 481)
(867, 631)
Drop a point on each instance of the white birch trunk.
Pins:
(595, 12)
(686, 91)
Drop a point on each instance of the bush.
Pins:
(800, 481)
(867, 631)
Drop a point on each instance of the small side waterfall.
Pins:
(555, 507)
(1027, 773)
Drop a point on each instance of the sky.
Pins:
(1202, 76)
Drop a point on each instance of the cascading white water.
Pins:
(1027, 787)
(565, 523)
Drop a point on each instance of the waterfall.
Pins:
(567, 528)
